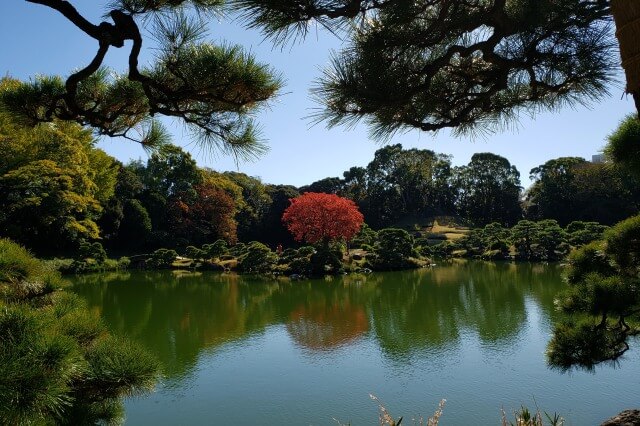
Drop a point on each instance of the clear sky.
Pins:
(38, 40)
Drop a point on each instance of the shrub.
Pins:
(393, 249)
(56, 356)
(258, 259)
(326, 259)
(93, 251)
(216, 249)
(238, 250)
(195, 253)
(162, 258)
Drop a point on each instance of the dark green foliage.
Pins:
(272, 229)
(583, 344)
(590, 258)
(496, 238)
(398, 182)
(543, 240)
(162, 258)
(624, 145)
(216, 249)
(135, 227)
(115, 364)
(258, 259)
(305, 251)
(393, 249)
(327, 259)
(523, 237)
(365, 237)
(581, 233)
(432, 65)
(300, 261)
(622, 244)
(58, 365)
(488, 190)
(473, 243)
(93, 251)
(195, 253)
(603, 299)
(238, 249)
(213, 89)
(331, 185)
(571, 189)
(551, 240)
(490, 243)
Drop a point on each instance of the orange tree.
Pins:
(319, 218)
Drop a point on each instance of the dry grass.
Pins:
(448, 229)
(386, 419)
(454, 235)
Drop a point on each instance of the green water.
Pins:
(243, 351)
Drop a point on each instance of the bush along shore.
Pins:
(384, 250)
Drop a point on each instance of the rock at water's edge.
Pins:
(626, 418)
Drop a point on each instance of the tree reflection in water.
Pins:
(412, 313)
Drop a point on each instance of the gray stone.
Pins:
(626, 418)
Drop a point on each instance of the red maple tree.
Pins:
(317, 217)
(204, 215)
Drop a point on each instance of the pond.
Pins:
(246, 351)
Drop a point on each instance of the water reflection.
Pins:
(414, 313)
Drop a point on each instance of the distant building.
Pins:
(598, 158)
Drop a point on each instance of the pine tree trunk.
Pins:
(626, 14)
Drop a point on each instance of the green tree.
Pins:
(162, 258)
(330, 185)
(216, 249)
(605, 193)
(253, 206)
(489, 190)
(523, 237)
(393, 249)
(273, 231)
(569, 188)
(551, 240)
(40, 207)
(603, 300)
(399, 182)
(623, 147)
(582, 233)
(553, 189)
(428, 65)
(135, 227)
(496, 241)
(53, 181)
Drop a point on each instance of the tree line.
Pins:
(57, 190)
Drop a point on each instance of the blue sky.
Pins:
(38, 40)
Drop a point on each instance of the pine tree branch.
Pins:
(71, 13)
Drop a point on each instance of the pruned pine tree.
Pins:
(213, 89)
(435, 64)
(602, 300)
(473, 65)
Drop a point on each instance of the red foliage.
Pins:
(205, 216)
(314, 217)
